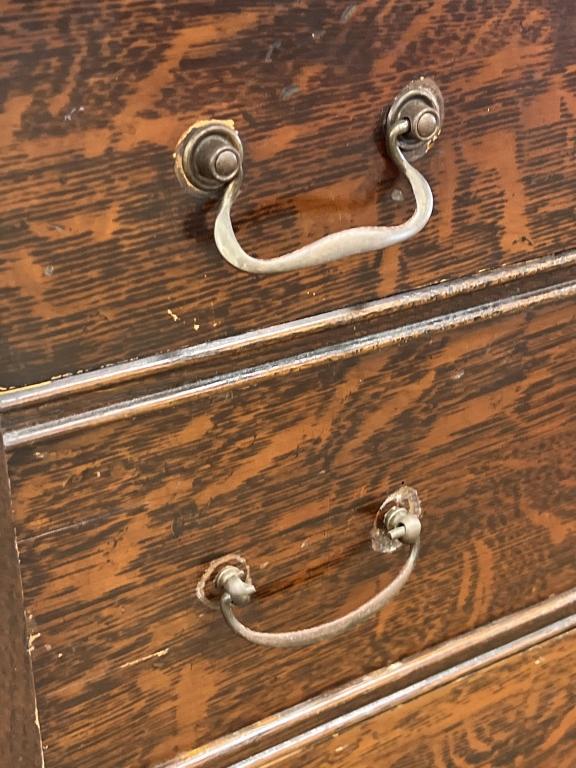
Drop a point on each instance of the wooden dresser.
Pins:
(209, 452)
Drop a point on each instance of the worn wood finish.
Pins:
(116, 524)
(19, 733)
(519, 712)
(399, 316)
(104, 258)
(339, 708)
(40, 430)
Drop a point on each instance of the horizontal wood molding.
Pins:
(518, 711)
(435, 295)
(280, 734)
(26, 435)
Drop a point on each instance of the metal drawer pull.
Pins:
(397, 522)
(208, 161)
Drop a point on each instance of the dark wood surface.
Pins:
(116, 524)
(104, 258)
(19, 733)
(344, 706)
(391, 319)
(519, 712)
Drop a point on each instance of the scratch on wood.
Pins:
(31, 640)
(156, 655)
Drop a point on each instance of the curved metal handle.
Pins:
(209, 157)
(397, 522)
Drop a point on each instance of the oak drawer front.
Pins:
(105, 258)
(518, 712)
(116, 524)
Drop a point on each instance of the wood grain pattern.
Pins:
(121, 380)
(115, 526)
(519, 712)
(19, 733)
(104, 258)
(364, 697)
(40, 431)
(56, 414)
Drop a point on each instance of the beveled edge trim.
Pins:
(59, 387)
(408, 693)
(412, 677)
(136, 406)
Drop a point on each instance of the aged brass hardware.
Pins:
(208, 160)
(208, 156)
(421, 103)
(397, 522)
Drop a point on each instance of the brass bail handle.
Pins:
(208, 161)
(397, 523)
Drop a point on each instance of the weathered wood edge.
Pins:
(49, 429)
(20, 743)
(372, 694)
(112, 375)
(411, 692)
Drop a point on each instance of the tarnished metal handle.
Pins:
(397, 522)
(208, 160)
